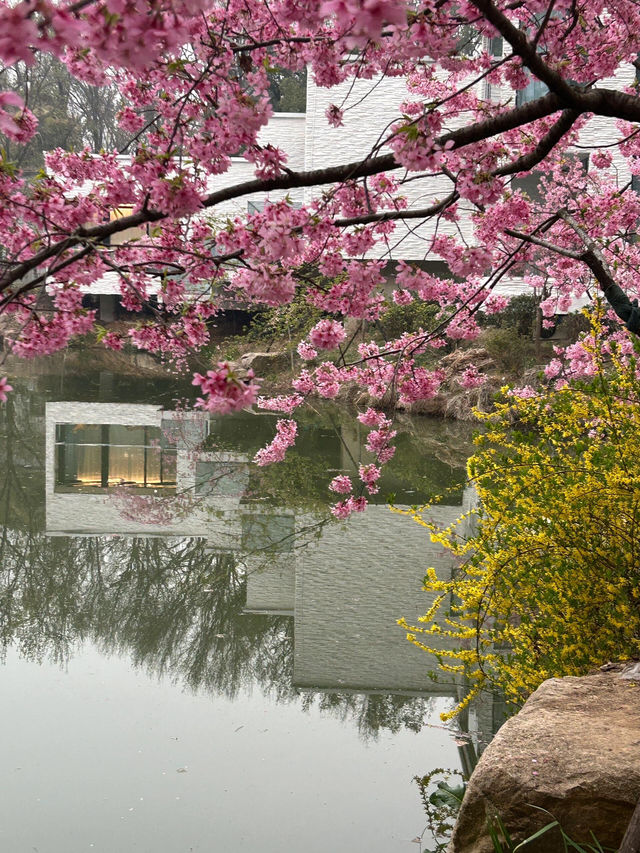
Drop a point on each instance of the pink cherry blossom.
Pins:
(525, 393)
(4, 389)
(112, 341)
(18, 124)
(342, 484)
(286, 431)
(306, 351)
(224, 391)
(343, 509)
(370, 474)
(327, 334)
(334, 116)
(402, 297)
(471, 377)
(372, 418)
(553, 369)
(287, 403)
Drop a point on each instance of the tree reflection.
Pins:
(175, 610)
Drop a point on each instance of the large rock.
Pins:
(574, 749)
(266, 363)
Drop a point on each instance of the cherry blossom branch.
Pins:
(544, 244)
(293, 180)
(628, 311)
(527, 51)
(544, 147)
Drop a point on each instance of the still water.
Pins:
(195, 658)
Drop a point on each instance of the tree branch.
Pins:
(390, 215)
(527, 51)
(461, 137)
(544, 146)
(628, 311)
(544, 244)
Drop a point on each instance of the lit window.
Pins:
(95, 457)
(128, 234)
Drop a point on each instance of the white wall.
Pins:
(371, 106)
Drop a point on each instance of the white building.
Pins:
(371, 106)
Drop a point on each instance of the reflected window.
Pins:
(268, 532)
(95, 457)
(228, 479)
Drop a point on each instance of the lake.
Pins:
(196, 657)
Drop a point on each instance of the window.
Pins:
(496, 46)
(535, 89)
(220, 478)
(468, 41)
(95, 457)
(268, 532)
(129, 233)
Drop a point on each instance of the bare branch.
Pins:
(545, 244)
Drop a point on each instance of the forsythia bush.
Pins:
(549, 583)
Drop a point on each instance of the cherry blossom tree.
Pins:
(194, 75)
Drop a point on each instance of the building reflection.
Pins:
(155, 546)
(343, 592)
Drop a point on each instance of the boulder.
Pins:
(574, 750)
(265, 363)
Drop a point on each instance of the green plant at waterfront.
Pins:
(399, 319)
(508, 349)
(441, 805)
(519, 314)
(503, 843)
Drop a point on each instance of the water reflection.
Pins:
(96, 456)
(217, 591)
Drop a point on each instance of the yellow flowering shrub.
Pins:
(549, 582)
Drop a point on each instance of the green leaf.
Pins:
(493, 835)
(535, 835)
(504, 831)
(447, 795)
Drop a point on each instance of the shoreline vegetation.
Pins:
(508, 352)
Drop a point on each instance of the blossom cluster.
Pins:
(286, 431)
(5, 388)
(224, 392)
